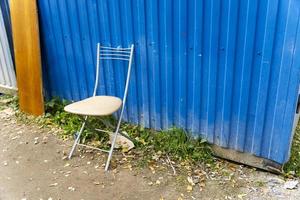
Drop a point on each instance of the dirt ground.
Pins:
(33, 165)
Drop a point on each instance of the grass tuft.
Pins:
(292, 167)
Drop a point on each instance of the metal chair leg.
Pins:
(113, 144)
(77, 139)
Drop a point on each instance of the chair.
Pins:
(103, 105)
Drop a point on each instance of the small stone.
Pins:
(150, 183)
(67, 165)
(241, 196)
(190, 180)
(189, 188)
(16, 137)
(71, 189)
(292, 184)
(53, 184)
(45, 138)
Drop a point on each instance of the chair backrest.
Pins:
(114, 53)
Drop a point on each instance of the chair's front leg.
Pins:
(113, 144)
(77, 139)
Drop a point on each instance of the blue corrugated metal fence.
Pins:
(224, 70)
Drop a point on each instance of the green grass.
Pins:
(293, 166)
(8, 101)
(174, 142)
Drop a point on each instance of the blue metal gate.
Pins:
(223, 70)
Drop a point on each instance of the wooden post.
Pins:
(24, 18)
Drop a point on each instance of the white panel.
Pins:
(7, 72)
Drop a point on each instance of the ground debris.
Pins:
(190, 180)
(72, 189)
(96, 183)
(67, 165)
(291, 184)
(241, 196)
(15, 137)
(36, 140)
(189, 188)
(53, 184)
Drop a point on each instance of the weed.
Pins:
(8, 100)
(260, 183)
(293, 166)
(174, 142)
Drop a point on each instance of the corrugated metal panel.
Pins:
(7, 72)
(224, 70)
(4, 4)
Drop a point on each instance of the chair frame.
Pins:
(108, 53)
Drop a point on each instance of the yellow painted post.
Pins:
(26, 41)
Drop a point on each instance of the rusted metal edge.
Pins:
(247, 159)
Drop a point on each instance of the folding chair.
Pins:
(103, 105)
